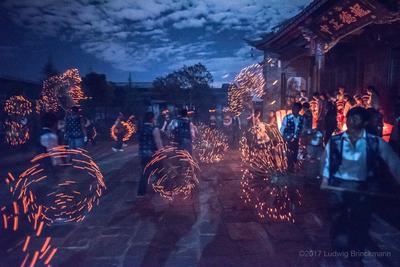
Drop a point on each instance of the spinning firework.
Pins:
(237, 99)
(34, 248)
(249, 82)
(16, 133)
(172, 172)
(65, 195)
(125, 128)
(210, 144)
(252, 79)
(62, 90)
(18, 106)
(265, 180)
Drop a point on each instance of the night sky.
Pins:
(148, 38)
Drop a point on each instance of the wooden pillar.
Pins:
(283, 89)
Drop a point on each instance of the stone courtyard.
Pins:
(212, 228)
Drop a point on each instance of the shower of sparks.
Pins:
(210, 144)
(265, 179)
(237, 99)
(129, 129)
(248, 83)
(64, 195)
(18, 106)
(62, 90)
(16, 133)
(35, 250)
(172, 172)
(252, 79)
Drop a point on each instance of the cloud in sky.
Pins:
(155, 36)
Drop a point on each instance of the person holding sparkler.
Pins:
(149, 143)
(291, 129)
(119, 133)
(351, 173)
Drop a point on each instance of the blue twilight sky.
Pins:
(148, 38)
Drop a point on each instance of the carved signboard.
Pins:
(344, 17)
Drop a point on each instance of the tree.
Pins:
(188, 85)
(49, 69)
(100, 92)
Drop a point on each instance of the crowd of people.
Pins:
(355, 162)
(348, 130)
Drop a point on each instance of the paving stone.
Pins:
(246, 231)
(213, 228)
(108, 246)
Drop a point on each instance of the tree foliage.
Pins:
(183, 86)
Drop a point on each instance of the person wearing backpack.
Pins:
(184, 132)
(351, 176)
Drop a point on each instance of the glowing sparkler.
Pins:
(66, 195)
(252, 79)
(265, 180)
(210, 144)
(248, 83)
(172, 172)
(34, 249)
(62, 90)
(16, 133)
(237, 98)
(18, 106)
(128, 128)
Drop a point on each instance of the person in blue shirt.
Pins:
(291, 130)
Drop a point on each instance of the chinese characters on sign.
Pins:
(344, 16)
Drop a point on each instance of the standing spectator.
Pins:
(307, 130)
(375, 122)
(373, 98)
(119, 132)
(350, 172)
(184, 132)
(341, 93)
(236, 127)
(291, 129)
(395, 136)
(213, 119)
(350, 103)
(322, 110)
(227, 128)
(91, 131)
(303, 97)
(48, 138)
(75, 132)
(149, 143)
(330, 121)
(165, 121)
(359, 100)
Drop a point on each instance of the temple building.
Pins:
(354, 43)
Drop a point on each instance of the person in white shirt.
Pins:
(291, 130)
(48, 138)
(351, 174)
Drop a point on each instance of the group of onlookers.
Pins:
(73, 130)
(354, 160)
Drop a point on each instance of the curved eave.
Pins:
(287, 28)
